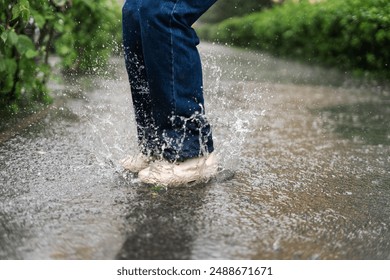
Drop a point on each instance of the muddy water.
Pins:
(310, 150)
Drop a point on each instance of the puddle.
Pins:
(311, 155)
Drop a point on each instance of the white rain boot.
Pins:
(194, 170)
(136, 163)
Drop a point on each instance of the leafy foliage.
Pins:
(79, 31)
(350, 34)
(91, 31)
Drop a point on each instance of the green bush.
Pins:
(79, 31)
(90, 33)
(23, 71)
(349, 34)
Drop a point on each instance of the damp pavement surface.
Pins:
(310, 149)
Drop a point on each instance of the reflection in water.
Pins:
(164, 223)
(364, 121)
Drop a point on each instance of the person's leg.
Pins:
(174, 76)
(135, 67)
(174, 72)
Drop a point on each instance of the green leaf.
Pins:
(10, 65)
(39, 20)
(31, 53)
(4, 36)
(15, 11)
(24, 44)
(21, 9)
(12, 37)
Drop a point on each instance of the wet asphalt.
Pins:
(309, 148)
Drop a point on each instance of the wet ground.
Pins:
(310, 149)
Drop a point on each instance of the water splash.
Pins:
(233, 106)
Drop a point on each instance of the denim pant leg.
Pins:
(135, 66)
(174, 75)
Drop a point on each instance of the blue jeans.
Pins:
(165, 75)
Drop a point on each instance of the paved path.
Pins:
(310, 150)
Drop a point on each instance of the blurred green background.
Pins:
(352, 35)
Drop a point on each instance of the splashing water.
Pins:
(113, 130)
(232, 108)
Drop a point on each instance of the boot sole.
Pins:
(222, 175)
